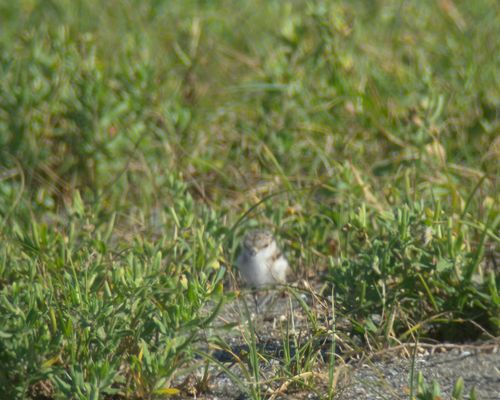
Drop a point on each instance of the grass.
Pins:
(139, 140)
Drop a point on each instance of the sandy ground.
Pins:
(389, 379)
(370, 375)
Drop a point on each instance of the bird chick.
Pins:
(260, 261)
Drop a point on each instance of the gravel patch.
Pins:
(365, 376)
(389, 379)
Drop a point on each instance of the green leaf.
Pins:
(443, 265)
(77, 207)
(458, 389)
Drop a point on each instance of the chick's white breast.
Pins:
(262, 269)
(280, 269)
